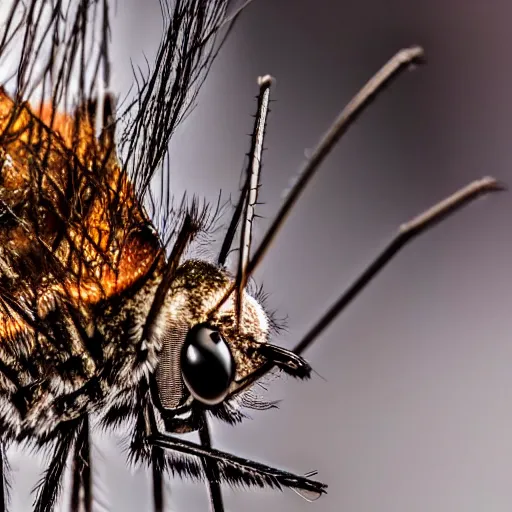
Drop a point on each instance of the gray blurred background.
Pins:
(414, 408)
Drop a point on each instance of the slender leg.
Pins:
(3, 470)
(157, 462)
(82, 471)
(210, 467)
(49, 487)
(238, 470)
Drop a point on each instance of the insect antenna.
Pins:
(406, 233)
(245, 207)
(391, 70)
(253, 183)
(401, 61)
(248, 200)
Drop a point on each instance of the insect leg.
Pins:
(81, 478)
(157, 459)
(48, 488)
(157, 464)
(210, 467)
(235, 469)
(3, 478)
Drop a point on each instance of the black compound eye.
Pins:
(207, 366)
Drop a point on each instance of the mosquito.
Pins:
(104, 319)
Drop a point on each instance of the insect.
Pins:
(103, 317)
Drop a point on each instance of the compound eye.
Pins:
(207, 366)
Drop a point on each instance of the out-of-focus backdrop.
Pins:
(411, 409)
